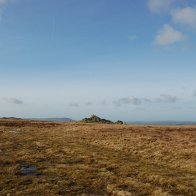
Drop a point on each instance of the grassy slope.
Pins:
(76, 158)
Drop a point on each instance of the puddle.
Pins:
(28, 170)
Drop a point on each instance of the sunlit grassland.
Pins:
(97, 159)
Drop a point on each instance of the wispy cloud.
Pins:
(168, 35)
(132, 37)
(176, 108)
(128, 101)
(13, 100)
(2, 5)
(185, 16)
(3, 2)
(74, 104)
(165, 98)
(89, 103)
(192, 108)
(140, 109)
(157, 6)
(146, 100)
(103, 102)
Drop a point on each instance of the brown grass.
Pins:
(96, 159)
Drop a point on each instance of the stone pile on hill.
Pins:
(96, 119)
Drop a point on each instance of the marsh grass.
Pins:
(96, 159)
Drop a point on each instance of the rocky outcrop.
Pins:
(96, 119)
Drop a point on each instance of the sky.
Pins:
(127, 60)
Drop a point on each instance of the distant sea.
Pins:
(163, 122)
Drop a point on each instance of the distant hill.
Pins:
(53, 119)
(40, 119)
(96, 119)
(10, 118)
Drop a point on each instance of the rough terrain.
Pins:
(40, 158)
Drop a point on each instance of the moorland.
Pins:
(76, 158)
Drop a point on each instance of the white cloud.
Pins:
(185, 16)
(168, 35)
(157, 6)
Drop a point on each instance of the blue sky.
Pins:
(130, 60)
